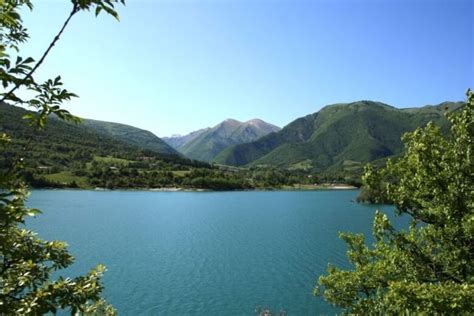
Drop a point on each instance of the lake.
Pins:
(181, 253)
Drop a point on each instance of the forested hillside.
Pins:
(331, 145)
(338, 137)
(131, 135)
(110, 155)
(63, 153)
(62, 143)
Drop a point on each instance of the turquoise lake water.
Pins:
(185, 253)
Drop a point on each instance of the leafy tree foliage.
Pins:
(429, 267)
(26, 261)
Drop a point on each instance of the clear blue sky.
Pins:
(176, 66)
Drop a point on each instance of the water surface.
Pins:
(182, 253)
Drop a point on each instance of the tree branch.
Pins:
(74, 10)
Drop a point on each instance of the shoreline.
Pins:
(321, 187)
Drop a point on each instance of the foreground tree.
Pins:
(429, 267)
(26, 261)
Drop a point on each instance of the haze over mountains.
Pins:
(178, 141)
(207, 143)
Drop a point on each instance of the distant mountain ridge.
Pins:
(336, 136)
(207, 143)
(178, 141)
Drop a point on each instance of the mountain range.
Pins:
(337, 136)
(207, 143)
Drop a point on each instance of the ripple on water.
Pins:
(205, 254)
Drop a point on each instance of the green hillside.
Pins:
(332, 144)
(131, 135)
(109, 155)
(62, 144)
(336, 137)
